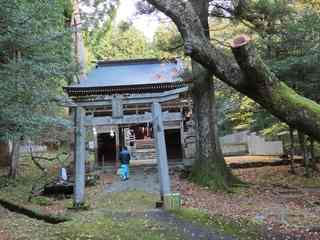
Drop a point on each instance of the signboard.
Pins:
(117, 107)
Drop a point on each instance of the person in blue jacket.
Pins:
(124, 161)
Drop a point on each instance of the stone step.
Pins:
(144, 144)
(144, 153)
(138, 156)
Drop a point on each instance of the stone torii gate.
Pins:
(116, 102)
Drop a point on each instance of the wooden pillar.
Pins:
(79, 157)
(182, 139)
(117, 136)
(162, 160)
(95, 140)
(182, 132)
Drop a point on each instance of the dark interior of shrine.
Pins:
(106, 148)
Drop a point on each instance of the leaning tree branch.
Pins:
(273, 94)
(245, 72)
(34, 160)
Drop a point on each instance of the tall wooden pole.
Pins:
(79, 157)
(161, 150)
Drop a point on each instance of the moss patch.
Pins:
(108, 227)
(127, 201)
(42, 201)
(283, 91)
(18, 191)
(241, 229)
(216, 180)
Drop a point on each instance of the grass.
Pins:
(18, 191)
(241, 229)
(109, 219)
(98, 222)
(91, 226)
(107, 227)
(127, 201)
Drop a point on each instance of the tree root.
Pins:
(220, 181)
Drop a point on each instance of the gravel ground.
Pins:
(140, 179)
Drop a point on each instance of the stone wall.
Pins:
(249, 143)
(258, 146)
(242, 143)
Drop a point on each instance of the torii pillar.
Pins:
(79, 158)
(162, 160)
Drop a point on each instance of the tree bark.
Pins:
(292, 151)
(245, 72)
(209, 167)
(305, 156)
(14, 158)
(313, 162)
(4, 153)
(78, 43)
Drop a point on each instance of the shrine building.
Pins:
(117, 99)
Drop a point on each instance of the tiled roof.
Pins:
(129, 75)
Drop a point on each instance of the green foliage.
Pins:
(287, 34)
(168, 41)
(297, 53)
(237, 112)
(94, 36)
(119, 42)
(35, 62)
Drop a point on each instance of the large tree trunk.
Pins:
(292, 170)
(4, 153)
(14, 158)
(209, 168)
(246, 72)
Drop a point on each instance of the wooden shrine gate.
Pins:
(157, 117)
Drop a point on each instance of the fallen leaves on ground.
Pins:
(283, 202)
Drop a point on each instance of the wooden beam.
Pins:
(126, 101)
(131, 119)
(79, 157)
(135, 109)
(161, 150)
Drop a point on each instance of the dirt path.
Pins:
(190, 231)
(146, 179)
(140, 179)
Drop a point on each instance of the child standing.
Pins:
(124, 161)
